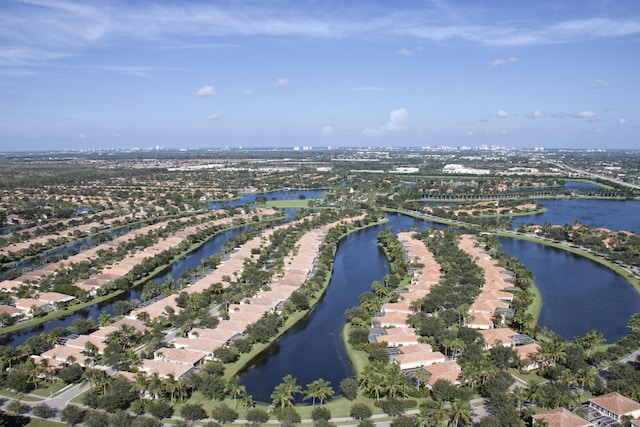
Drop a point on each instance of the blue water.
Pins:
(612, 214)
(313, 348)
(190, 261)
(578, 295)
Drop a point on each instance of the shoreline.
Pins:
(246, 359)
(78, 307)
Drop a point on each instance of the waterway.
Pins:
(612, 214)
(214, 245)
(313, 348)
(578, 295)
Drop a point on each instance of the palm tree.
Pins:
(460, 412)
(432, 413)
(290, 381)
(234, 388)
(181, 389)
(553, 349)
(585, 378)
(535, 393)
(170, 386)
(282, 396)
(594, 339)
(247, 401)
(634, 322)
(96, 378)
(104, 319)
(486, 369)
(396, 383)
(319, 389)
(44, 369)
(373, 382)
(519, 396)
(140, 384)
(155, 386)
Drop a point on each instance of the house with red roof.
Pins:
(560, 417)
(615, 405)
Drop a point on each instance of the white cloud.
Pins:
(217, 115)
(82, 136)
(587, 115)
(327, 130)
(281, 83)
(502, 61)
(404, 51)
(248, 92)
(537, 114)
(205, 91)
(502, 114)
(621, 121)
(397, 122)
(61, 28)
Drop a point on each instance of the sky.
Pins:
(117, 74)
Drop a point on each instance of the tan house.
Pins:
(615, 405)
(560, 417)
(448, 371)
(417, 355)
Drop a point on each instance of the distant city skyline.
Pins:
(117, 74)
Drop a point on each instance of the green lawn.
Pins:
(50, 390)
(24, 398)
(286, 204)
(36, 422)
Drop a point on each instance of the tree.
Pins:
(503, 357)
(120, 419)
(460, 412)
(349, 387)
(393, 406)
(211, 385)
(145, 422)
(634, 322)
(160, 409)
(257, 416)
(285, 391)
(18, 379)
(320, 414)
(155, 385)
(193, 412)
(224, 413)
(17, 407)
(235, 389)
(373, 380)
(432, 413)
(96, 419)
(118, 395)
(319, 389)
(42, 410)
(404, 421)
(140, 384)
(72, 414)
(289, 416)
(360, 411)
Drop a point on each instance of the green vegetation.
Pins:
(46, 205)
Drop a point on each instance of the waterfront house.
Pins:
(615, 405)
(560, 417)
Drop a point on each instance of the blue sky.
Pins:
(193, 74)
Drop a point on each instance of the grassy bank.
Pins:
(578, 251)
(245, 359)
